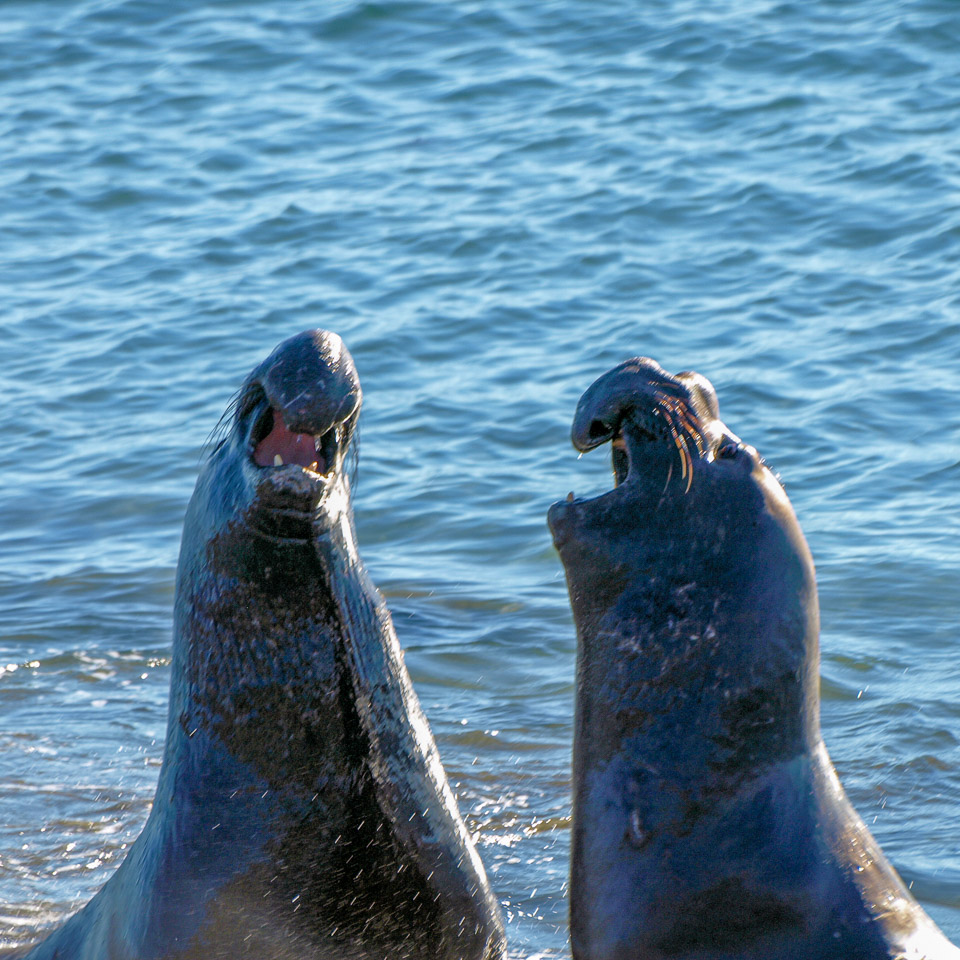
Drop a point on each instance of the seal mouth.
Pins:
(656, 423)
(295, 469)
(273, 444)
(670, 421)
(293, 422)
(664, 433)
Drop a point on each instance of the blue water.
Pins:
(492, 202)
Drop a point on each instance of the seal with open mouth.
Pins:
(302, 812)
(708, 820)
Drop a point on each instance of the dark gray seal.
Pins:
(302, 812)
(708, 821)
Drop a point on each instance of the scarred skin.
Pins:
(708, 821)
(302, 812)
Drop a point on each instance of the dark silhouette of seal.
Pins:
(708, 821)
(302, 812)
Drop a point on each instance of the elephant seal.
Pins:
(708, 821)
(302, 812)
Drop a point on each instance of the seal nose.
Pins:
(311, 381)
(611, 397)
(312, 400)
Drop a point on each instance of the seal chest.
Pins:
(302, 812)
(708, 821)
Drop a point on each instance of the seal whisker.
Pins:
(681, 448)
(667, 482)
(689, 456)
(353, 455)
(217, 436)
(685, 439)
(676, 407)
(692, 422)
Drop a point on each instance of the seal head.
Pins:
(302, 812)
(708, 819)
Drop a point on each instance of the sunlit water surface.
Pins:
(492, 202)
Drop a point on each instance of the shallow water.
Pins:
(493, 202)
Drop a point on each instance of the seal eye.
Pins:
(728, 450)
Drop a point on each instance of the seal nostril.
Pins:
(250, 399)
(327, 446)
(262, 428)
(598, 430)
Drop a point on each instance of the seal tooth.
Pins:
(277, 460)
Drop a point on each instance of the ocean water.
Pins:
(492, 202)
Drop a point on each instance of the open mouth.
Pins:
(620, 452)
(650, 420)
(663, 431)
(620, 459)
(274, 445)
(661, 428)
(296, 470)
(293, 422)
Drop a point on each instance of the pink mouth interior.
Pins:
(299, 448)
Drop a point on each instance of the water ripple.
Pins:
(493, 203)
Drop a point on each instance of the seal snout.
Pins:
(638, 404)
(303, 402)
(611, 399)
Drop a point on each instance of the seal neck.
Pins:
(692, 636)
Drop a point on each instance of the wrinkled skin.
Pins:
(709, 823)
(302, 812)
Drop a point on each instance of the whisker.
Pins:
(677, 442)
(669, 475)
(686, 437)
(353, 471)
(689, 455)
(688, 422)
(691, 431)
(217, 436)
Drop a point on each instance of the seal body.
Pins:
(301, 810)
(708, 821)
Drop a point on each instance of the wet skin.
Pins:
(708, 822)
(302, 812)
